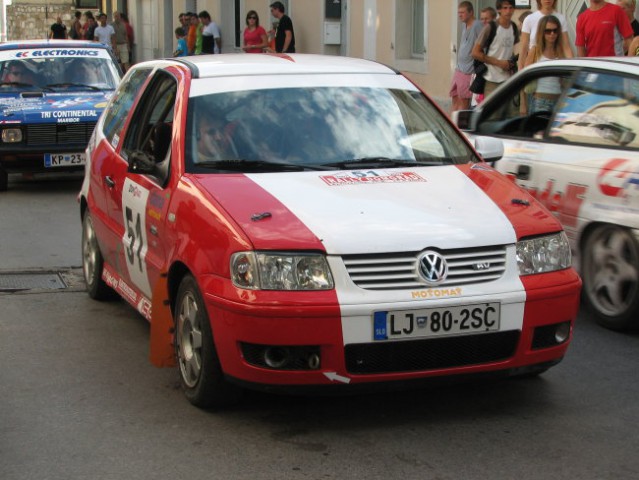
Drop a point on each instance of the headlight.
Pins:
(280, 271)
(543, 254)
(11, 135)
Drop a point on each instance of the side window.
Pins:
(526, 110)
(600, 109)
(149, 137)
(121, 105)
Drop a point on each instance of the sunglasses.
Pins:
(252, 18)
(548, 31)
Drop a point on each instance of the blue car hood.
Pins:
(52, 107)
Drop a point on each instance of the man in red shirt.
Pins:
(596, 29)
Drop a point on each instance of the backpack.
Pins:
(480, 68)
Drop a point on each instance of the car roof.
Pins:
(208, 66)
(22, 44)
(622, 64)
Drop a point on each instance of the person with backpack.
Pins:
(495, 46)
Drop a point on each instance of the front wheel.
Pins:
(610, 271)
(92, 262)
(200, 370)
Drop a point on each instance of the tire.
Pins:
(93, 263)
(4, 180)
(201, 374)
(610, 274)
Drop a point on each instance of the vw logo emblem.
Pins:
(432, 267)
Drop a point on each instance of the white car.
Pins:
(581, 160)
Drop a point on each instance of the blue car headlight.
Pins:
(11, 135)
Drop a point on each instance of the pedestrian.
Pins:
(182, 49)
(104, 33)
(194, 35)
(58, 30)
(129, 35)
(121, 41)
(211, 38)
(487, 14)
(629, 6)
(529, 29)
(284, 35)
(88, 30)
(471, 28)
(596, 30)
(255, 38)
(548, 46)
(495, 46)
(75, 32)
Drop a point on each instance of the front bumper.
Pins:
(311, 332)
(31, 160)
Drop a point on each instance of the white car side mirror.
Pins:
(491, 149)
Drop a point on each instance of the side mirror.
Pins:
(463, 119)
(491, 149)
(141, 163)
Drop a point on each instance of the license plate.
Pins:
(436, 322)
(52, 160)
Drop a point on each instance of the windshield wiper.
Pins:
(383, 162)
(77, 85)
(242, 164)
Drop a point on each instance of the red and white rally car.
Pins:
(579, 156)
(306, 221)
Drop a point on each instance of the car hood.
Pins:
(52, 107)
(379, 211)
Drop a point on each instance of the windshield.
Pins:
(318, 127)
(58, 73)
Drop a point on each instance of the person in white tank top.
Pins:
(548, 46)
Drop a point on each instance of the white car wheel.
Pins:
(610, 270)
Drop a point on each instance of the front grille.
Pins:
(395, 271)
(59, 133)
(430, 354)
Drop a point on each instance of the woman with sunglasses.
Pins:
(548, 46)
(529, 29)
(254, 35)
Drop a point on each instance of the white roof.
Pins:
(234, 64)
(619, 64)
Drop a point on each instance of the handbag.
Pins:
(478, 84)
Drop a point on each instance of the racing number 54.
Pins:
(136, 239)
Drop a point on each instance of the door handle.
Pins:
(523, 172)
(109, 181)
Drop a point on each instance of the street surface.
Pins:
(80, 399)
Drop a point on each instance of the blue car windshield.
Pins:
(319, 127)
(58, 73)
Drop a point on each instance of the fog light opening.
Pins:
(276, 357)
(562, 332)
(313, 361)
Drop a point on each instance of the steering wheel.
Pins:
(534, 122)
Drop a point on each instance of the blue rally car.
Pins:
(51, 95)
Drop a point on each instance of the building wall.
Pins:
(33, 19)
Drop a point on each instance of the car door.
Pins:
(105, 162)
(577, 158)
(142, 192)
